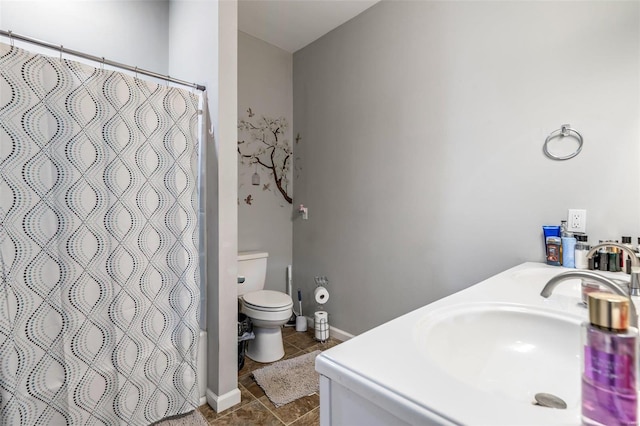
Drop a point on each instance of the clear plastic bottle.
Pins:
(582, 248)
(568, 252)
(609, 369)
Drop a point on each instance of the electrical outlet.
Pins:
(577, 221)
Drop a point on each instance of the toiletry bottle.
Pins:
(551, 234)
(626, 260)
(554, 245)
(591, 286)
(568, 252)
(594, 262)
(603, 258)
(582, 248)
(614, 259)
(618, 257)
(609, 366)
(563, 233)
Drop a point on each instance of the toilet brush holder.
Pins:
(301, 323)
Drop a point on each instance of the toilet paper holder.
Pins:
(320, 294)
(321, 326)
(321, 317)
(321, 281)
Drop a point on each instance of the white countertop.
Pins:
(386, 364)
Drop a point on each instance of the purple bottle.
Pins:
(609, 394)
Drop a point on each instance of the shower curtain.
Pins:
(99, 297)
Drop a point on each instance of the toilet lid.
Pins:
(268, 299)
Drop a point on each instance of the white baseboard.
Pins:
(202, 366)
(340, 334)
(333, 331)
(222, 402)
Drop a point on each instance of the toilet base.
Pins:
(267, 346)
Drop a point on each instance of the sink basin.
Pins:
(510, 351)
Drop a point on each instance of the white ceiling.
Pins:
(292, 24)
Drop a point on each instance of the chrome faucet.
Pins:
(634, 283)
(604, 281)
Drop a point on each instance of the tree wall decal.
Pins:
(266, 147)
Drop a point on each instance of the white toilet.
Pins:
(268, 310)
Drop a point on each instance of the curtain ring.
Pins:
(166, 80)
(102, 66)
(136, 72)
(11, 39)
(61, 49)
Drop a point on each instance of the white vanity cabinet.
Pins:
(348, 400)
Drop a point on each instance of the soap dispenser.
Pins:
(609, 367)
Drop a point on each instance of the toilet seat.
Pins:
(267, 301)
(267, 308)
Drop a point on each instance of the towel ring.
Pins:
(564, 130)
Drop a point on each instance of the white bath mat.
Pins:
(288, 380)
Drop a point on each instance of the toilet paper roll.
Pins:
(321, 295)
(321, 325)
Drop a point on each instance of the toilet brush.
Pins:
(292, 320)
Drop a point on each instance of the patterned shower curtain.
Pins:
(99, 297)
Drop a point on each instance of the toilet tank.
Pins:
(252, 265)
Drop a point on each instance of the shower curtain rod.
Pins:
(100, 60)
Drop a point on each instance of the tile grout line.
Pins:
(269, 410)
(260, 402)
(307, 413)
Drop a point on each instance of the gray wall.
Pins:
(423, 125)
(130, 32)
(203, 48)
(265, 86)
